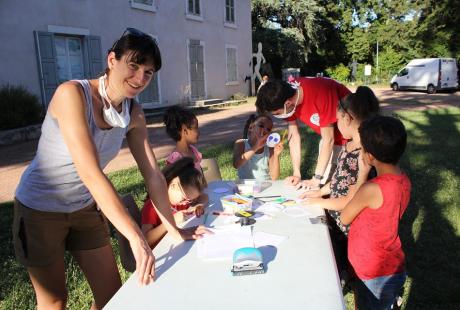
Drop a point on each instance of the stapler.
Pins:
(247, 261)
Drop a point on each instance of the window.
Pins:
(193, 7)
(66, 53)
(147, 5)
(69, 58)
(232, 72)
(196, 69)
(230, 11)
(403, 72)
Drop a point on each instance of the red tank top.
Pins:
(374, 247)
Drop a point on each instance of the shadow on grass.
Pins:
(429, 228)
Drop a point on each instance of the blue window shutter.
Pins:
(94, 51)
(47, 66)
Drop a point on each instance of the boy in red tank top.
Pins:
(374, 247)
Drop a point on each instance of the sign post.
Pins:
(367, 73)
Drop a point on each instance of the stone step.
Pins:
(206, 102)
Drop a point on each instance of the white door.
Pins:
(403, 78)
(449, 75)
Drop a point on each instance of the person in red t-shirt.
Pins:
(313, 101)
(185, 192)
(374, 246)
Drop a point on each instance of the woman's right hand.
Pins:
(145, 261)
(194, 232)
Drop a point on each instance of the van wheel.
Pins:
(431, 89)
(395, 86)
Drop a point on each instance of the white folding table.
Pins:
(300, 272)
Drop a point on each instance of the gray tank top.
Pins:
(51, 182)
(257, 166)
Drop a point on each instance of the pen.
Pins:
(221, 213)
(274, 196)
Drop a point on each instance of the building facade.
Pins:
(205, 44)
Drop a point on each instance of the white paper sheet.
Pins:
(262, 238)
(223, 243)
(296, 211)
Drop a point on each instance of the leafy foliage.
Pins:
(18, 107)
(317, 34)
(390, 62)
(288, 30)
(340, 73)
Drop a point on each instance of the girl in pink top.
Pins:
(374, 247)
(182, 126)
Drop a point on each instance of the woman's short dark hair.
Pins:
(142, 49)
(174, 118)
(188, 175)
(362, 104)
(273, 94)
(384, 137)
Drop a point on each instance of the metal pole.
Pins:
(378, 72)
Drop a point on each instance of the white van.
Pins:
(430, 74)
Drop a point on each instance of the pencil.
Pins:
(274, 196)
(284, 135)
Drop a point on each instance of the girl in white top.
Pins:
(251, 156)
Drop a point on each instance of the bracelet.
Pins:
(317, 176)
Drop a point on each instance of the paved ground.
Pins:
(216, 126)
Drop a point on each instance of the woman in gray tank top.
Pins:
(83, 130)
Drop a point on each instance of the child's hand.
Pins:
(309, 185)
(199, 209)
(278, 149)
(260, 143)
(311, 194)
(313, 202)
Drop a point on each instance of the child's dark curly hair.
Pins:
(188, 175)
(174, 118)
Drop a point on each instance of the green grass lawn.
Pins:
(430, 229)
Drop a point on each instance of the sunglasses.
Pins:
(131, 32)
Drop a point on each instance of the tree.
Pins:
(439, 28)
(286, 28)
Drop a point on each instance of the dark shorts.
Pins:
(42, 237)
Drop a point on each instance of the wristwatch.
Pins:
(317, 176)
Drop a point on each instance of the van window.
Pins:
(403, 72)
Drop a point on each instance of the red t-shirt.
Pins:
(374, 247)
(319, 106)
(150, 215)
